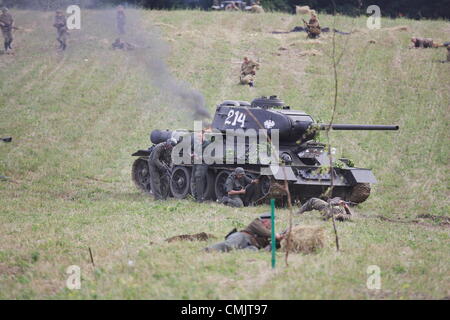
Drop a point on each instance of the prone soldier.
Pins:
(339, 208)
(240, 189)
(248, 71)
(254, 237)
(122, 45)
(159, 167)
(425, 43)
(7, 26)
(61, 28)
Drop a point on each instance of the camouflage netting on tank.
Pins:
(360, 193)
(305, 239)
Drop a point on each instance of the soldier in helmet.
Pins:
(121, 19)
(248, 71)
(313, 26)
(254, 237)
(240, 189)
(199, 170)
(61, 28)
(7, 25)
(339, 208)
(159, 167)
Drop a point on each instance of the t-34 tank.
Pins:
(300, 159)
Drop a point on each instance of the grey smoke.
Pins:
(152, 52)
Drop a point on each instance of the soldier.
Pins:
(121, 19)
(424, 43)
(122, 45)
(339, 208)
(248, 71)
(199, 170)
(61, 28)
(313, 26)
(159, 167)
(254, 237)
(7, 25)
(240, 189)
(232, 7)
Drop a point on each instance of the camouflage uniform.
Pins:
(339, 212)
(121, 21)
(158, 164)
(236, 184)
(199, 172)
(61, 28)
(254, 237)
(313, 27)
(6, 24)
(248, 71)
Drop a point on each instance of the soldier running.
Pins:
(339, 208)
(61, 28)
(254, 237)
(7, 25)
(313, 26)
(240, 189)
(159, 164)
(248, 71)
(121, 19)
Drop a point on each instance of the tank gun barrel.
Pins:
(358, 127)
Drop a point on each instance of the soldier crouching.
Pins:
(255, 236)
(240, 189)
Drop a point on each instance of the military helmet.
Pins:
(172, 141)
(266, 215)
(239, 170)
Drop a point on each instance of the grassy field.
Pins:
(77, 116)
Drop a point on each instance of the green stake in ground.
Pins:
(272, 204)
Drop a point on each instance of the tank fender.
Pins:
(358, 175)
(279, 173)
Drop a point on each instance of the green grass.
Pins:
(76, 117)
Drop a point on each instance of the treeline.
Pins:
(415, 9)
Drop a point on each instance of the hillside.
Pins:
(76, 117)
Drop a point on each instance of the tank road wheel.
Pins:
(359, 193)
(220, 184)
(141, 175)
(180, 183)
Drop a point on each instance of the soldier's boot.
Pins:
(9, 44)
(6, 46)
(64, 45)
